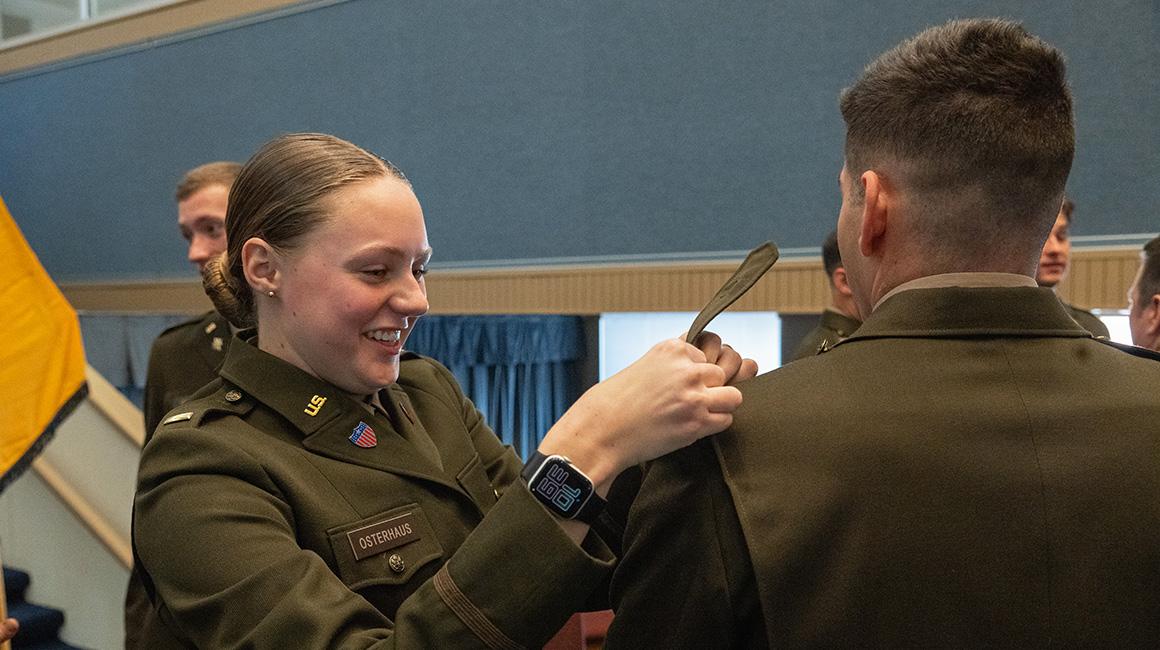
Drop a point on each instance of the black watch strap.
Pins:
(561, 487)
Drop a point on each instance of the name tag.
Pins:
(383, 536)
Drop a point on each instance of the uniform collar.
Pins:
(975, 279)
(325, 415)
(304, 400)
(970, 311)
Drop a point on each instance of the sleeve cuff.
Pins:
(520, 577)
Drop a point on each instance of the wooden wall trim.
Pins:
(792, 286)
(167, 297)
(146, 25)
(1099, 278)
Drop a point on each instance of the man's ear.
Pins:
(876, 208)
(841, 283)
(1152, 316)
(260, 263)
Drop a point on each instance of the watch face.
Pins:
(561, 487)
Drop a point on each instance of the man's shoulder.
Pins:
(1087, 320)
(194, 328)
(1133, 350)
(811, 343)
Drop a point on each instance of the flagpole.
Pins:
(4, 645)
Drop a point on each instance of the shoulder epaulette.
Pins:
(182, 325)
(226, 401)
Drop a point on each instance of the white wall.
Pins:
(624, 337)
(71, 570)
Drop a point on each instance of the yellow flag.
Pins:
(42, 363)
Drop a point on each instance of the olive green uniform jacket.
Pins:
(833, 326)
(981, 473)
(184, 358)
(1087, 320)
(259, 524)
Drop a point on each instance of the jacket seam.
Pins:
(1042, 482)
(469, 614)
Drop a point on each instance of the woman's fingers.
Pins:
(723, 355)
(710, 344)
(748, 370)
(729, 361)
(722, 399)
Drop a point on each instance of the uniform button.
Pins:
(233, 396)
(396, 563)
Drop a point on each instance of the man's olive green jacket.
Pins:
(184, 358)
(982, 473)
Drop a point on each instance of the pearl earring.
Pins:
(270, 293)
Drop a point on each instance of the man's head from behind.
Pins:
(1144, 298)
(958, 146)
(201, 209)
(1056, 254)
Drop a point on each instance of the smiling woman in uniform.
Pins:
(330, 489)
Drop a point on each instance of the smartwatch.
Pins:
(562, 488)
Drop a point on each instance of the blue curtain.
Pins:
(520, 371)
(117, 345)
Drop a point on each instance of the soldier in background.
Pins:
(1054, 261)
(1144, 298)
(186, 356)
(841, 318)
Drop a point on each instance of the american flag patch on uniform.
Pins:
(364, 436)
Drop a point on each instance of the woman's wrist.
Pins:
(578, 436)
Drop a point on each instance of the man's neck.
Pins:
(969, 279)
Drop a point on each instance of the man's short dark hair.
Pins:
(1149, 284)
(974, 119)
(222, 172)
(1068, 210)
(831, 258)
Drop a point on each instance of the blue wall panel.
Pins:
(536, 130)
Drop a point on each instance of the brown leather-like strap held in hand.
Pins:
(758, 261)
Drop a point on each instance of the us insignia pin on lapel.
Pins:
(364, 436)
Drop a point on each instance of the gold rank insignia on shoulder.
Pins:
(210, 328)
(180, 417)
(217, 344)
(314, 406)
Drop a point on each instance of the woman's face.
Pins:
(349, 295)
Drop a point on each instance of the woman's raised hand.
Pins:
(669, 398)
(736, 368)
